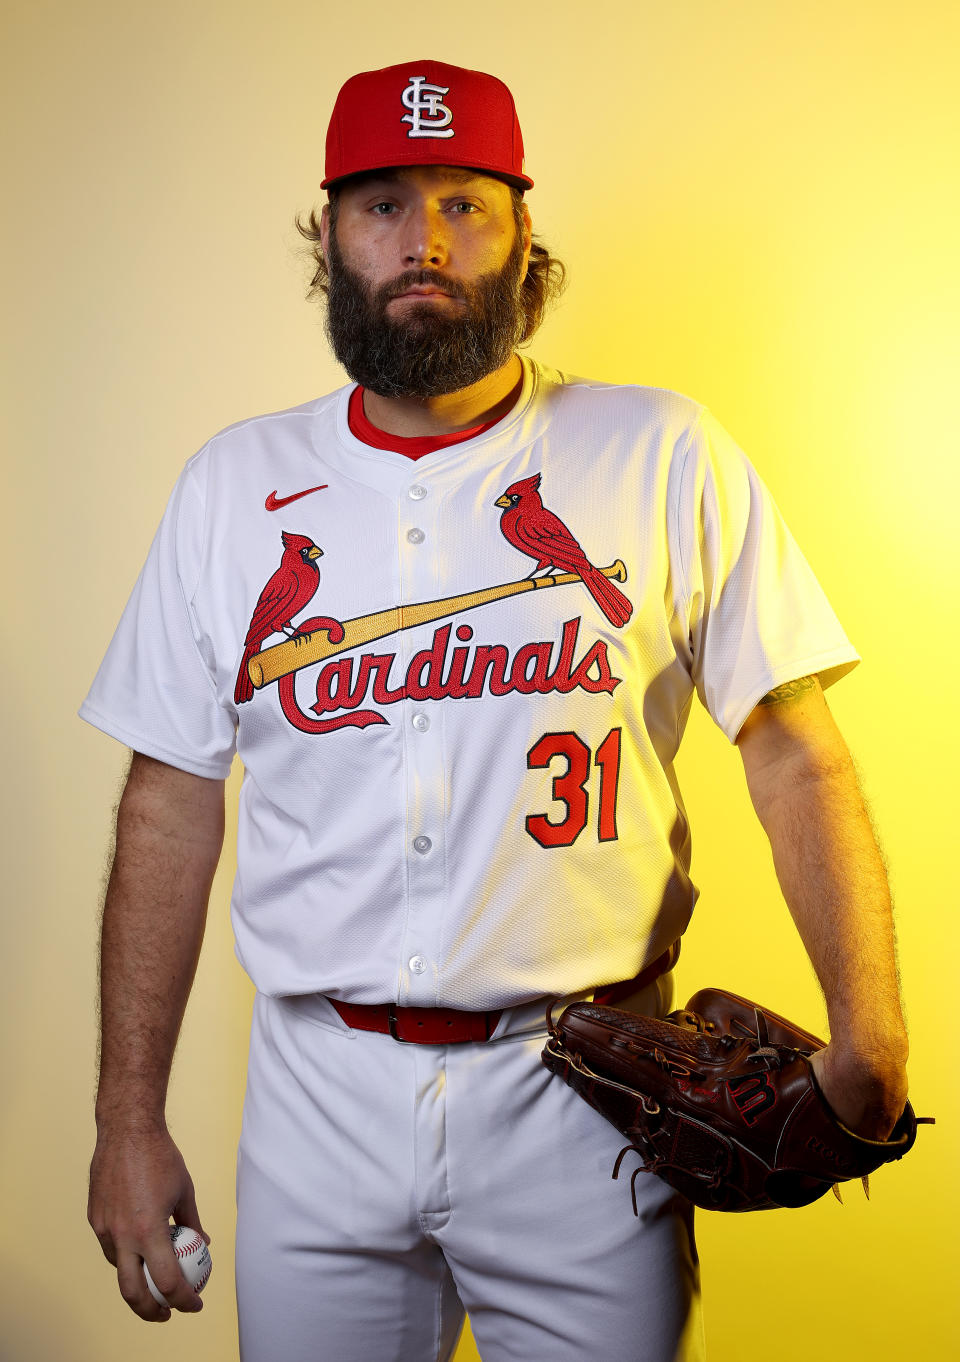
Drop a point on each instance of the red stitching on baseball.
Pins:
(187, 1248)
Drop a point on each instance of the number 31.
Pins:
(570, 787)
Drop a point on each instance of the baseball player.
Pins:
(451, 618)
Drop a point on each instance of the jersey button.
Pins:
(420, 722)
(422, 845)
(417, 964)
(416, 536)
(416, 492)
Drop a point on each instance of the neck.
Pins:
(487, 400)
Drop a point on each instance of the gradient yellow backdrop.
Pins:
(758, 203)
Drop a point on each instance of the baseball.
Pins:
(193, 1257)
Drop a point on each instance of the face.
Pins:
(426, 266)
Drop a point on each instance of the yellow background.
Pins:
(758, 203)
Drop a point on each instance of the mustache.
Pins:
(422, 279)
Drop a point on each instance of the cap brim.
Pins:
(521, 182)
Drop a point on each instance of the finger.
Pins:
(134, 1289)
(159, 1256)
(107, 1246)
(97, 1222)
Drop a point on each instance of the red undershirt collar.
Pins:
(413, 446)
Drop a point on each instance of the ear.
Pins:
(325, 228)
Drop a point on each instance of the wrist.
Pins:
(118, 1119)
(877, 1048)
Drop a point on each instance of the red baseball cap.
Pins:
(425, 113)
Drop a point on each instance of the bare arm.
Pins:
(169, 836)
(804, 788)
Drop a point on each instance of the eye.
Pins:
(464, 207)
(382, 210)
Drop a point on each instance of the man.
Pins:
(452, 618)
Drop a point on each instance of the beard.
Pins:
(424, 353)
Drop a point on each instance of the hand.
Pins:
(138, 1182)
(867, 1092)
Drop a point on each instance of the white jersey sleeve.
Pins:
(154, 690)
(757, 614)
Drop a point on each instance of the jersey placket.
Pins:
(419, 964)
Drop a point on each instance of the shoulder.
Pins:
(671, 415)
(266, 433)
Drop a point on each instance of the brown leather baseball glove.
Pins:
(719, 1099)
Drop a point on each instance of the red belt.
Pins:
(419, 1025)
(451, 1026)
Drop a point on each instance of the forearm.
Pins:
(169, 835)
(804, 788)
(834, 882)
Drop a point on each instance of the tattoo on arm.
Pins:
(790, 690)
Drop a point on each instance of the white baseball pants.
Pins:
(382, 1188)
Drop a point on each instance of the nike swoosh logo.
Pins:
(273, 502)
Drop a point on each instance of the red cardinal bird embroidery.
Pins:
(530, 527)
(291, 587)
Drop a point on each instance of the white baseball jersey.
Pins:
(455, 795)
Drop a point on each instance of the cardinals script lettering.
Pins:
(442, 673)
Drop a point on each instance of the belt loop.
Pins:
(392, 1024)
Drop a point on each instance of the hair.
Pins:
(545, 279)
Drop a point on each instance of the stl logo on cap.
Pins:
(428, 116)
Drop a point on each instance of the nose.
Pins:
(425, 240)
